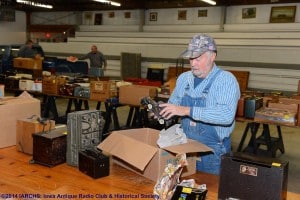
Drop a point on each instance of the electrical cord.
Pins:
(42, 121)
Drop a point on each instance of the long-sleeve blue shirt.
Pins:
(221, 101)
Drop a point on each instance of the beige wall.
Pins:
(251, 44)
(14, 32)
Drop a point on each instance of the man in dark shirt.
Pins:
(98, 62)
(26, 50)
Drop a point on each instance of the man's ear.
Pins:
(214, 55)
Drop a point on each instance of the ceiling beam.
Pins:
(89, 5)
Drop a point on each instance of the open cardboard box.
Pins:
(136, 149)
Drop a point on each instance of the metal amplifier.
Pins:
(84, 132)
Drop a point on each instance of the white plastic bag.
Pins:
(172, 136)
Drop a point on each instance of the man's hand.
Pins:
(72, 59)
(37, 56)
(170, 110)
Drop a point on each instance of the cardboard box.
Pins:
(51, 84)
(25, 84)
(132, 94)
(25, 128)
(102, 90)
(28, 63)
(12, 109)
(136, 149)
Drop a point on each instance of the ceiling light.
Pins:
(30, 3)
(102, 1)
(113, 3)
(211, 2)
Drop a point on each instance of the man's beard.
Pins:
(198, 73)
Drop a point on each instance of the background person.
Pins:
(206, 99)
(98, 62)
(26, 51)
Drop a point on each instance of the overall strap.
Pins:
(206, 89)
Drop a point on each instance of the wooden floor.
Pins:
(22, 180)
(20, 177)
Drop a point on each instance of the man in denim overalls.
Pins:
(206, 99)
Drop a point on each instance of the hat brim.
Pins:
(191, 54)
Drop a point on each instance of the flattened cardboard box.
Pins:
(12, 109)
(136, 149)
(132, 94)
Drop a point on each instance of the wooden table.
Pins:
(19, 178)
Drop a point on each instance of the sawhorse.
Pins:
(272, 143)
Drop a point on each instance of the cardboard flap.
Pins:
(25, 94)
(191, 146)
(137, 153)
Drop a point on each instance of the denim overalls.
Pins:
(204, 133)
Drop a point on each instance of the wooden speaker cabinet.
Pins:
(49, 148)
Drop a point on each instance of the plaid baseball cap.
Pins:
(199, 45)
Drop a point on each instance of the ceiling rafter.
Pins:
(84, 5)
